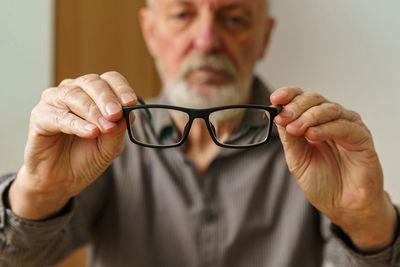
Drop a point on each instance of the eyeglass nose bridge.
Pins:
(199, 114)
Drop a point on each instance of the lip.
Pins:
(209, 71)
(208, 75)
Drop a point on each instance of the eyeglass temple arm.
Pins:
(141, 101)
(279, 109)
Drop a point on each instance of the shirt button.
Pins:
(210, 216)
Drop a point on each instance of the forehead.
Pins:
(215, 4)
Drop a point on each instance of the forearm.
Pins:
(29, 202)
(340, 249)
(47, 241)
(30, 243)
(376, 230)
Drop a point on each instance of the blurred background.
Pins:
(349, 51)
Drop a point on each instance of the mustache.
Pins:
(219, 63)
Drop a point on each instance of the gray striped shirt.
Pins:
(152, 208)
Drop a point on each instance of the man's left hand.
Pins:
(331, 153)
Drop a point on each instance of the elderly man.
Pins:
(198, 204)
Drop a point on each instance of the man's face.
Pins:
(205, 50)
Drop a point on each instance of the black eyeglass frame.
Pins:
(199, 113)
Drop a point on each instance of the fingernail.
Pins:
(316, 130)
(112, 108)
(297, 123)
(105, 123)
(281, 93)
(286, 113)
(127, 98)
(90, 128)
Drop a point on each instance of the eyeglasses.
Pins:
(234, 126)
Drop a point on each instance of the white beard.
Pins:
(180, 93)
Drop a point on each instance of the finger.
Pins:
(48, 120)
(111, 145)
(284, 95)
(121, 88)
(74, 99)
(295, 148)
(66, 82)
(318, 115)
(349, 135)
(102, 95)
(299, 104)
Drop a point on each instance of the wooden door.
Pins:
(95, 36)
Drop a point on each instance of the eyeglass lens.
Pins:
(240, 126)
(145, 128)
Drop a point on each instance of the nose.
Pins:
(207, 37)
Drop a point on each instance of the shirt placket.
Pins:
(208, 238)
(209, 227)
(207, 213)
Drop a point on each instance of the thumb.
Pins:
(295, 148)
(112, 144)
(92, 157)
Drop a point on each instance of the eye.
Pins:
(234, 20)
(182, 15)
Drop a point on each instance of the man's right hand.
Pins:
(75, 132)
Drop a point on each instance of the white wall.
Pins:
(350, 52)
(26, 66)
